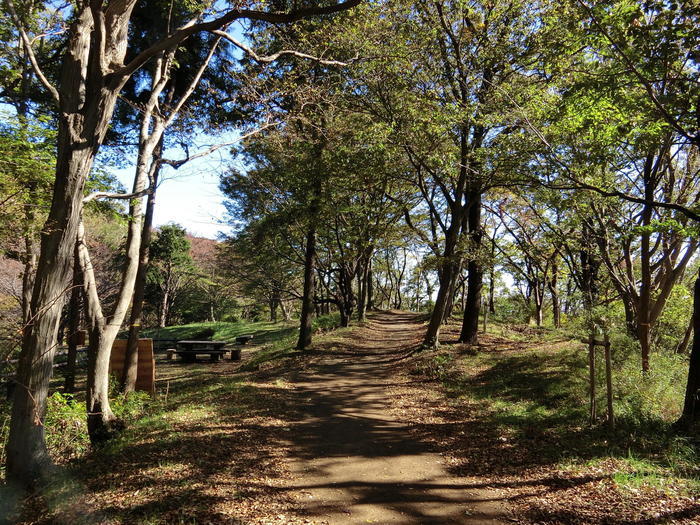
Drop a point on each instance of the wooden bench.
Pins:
(188, 350)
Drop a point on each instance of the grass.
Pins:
(152, 472)
(534, 389)
(263, 332)
(66, 432)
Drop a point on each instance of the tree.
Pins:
(450, 99)
(170, 269)
(93, 72)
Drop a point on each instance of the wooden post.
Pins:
(591, 366)
(608, 381)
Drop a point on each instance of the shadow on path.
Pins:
(358, 460)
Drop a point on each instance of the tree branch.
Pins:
(271, 58)
(108, 195)
(191, 28)
(178, 163)
(30, 53)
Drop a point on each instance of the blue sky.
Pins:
(190, 196)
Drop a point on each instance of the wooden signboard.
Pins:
(146, 371)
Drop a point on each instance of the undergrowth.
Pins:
(532, 386)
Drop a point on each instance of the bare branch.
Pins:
(271, 58)
(178, 163)
(189, 29)
(193, 84)
(108, 195)
(30, 53)
(578, 185)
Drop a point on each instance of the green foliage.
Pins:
(511, 309)
(66, 435)
(540, 392)
(674, 319)
(326, 323)
(649, 399)
(27, 163)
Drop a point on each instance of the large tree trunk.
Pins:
(82, 124)
(27, 458)
(691, 406)
(307, 302)
(470, 323)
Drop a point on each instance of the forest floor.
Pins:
(366, 429)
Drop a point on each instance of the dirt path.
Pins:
(356, 456)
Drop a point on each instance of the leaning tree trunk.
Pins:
(683, 344)
(475, 278)
(432, 335)
(87, 121)
(691, 406)
(104, 329)
(27, 457)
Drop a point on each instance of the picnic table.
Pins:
(189, 350)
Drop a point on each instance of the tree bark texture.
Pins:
(136, 314)
(470, 322)
(446, 276)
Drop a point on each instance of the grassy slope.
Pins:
(532, 387)
(263, 332)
